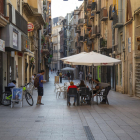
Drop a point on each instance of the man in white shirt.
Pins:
(33, 78)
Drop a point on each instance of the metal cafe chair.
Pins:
(86, 93)
(72, 92)
(104, 95)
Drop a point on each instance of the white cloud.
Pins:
(61, 8)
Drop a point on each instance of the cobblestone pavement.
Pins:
(56, 121)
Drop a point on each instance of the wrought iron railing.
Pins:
(115, 18)
(81, 21)
(103, 14)
(111, 12)
(98, 6)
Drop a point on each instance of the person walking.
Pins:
(33, 78)
(53, 70)
(60, 75)
(80, 74)
(40, 87)
(68, 74)
(72, 76)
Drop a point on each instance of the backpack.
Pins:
(36, 81)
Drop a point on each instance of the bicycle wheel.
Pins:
(5, 102)
(29, 98)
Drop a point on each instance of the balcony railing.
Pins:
(89, 43)
(89, 24)
(81, 21)
(117, 21)
(55, 42)
(103, 43)
(104, 14)
(93, 7)
(80, 39)
(77, 29)
(98, 6)
(97, 30)
(61, 50)
(55, 51)
(89, 4)
(111, 12)
(93, 31)
(92, 16)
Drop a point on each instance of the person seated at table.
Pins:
(72, 86)
(82, 84)
(97, 84)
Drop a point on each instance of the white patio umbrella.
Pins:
(93, 58)
(68, 68)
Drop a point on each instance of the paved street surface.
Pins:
(56, 121)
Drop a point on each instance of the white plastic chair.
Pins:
(58, 90)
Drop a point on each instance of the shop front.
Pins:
(12, 37)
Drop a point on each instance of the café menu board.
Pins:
(56, 79)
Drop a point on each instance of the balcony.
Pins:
(89, 25)
(117, 20)
(54, 34)
(103, 43)
(97, 30)
(77, 45)
(92, 16)
(80, 39)
(81, 21)
(71, 39)
(55, 42)
(61, 50)
(98, 7)
(93, 7)
(93, 32)
(72, 51)
(111, 12)
(89, 4)
(77, 29)
(55, 51)
(89, 43)
(104, 14)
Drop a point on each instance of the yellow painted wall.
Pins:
(33, 3)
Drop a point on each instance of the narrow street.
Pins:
(56, 121)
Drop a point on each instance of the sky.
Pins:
(61, 8)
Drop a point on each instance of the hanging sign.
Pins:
(30, 27)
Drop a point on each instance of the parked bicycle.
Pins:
(7, 96)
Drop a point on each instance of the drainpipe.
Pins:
(39, 50)
(119, 11)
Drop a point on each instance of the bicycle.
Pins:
(7, 96)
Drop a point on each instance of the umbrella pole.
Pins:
(92, 84)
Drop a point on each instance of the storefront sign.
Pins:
(2, 45)
(129, 44)
(30, 27)
(14, 39)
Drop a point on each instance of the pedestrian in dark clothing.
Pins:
(68, 74)
(53, 70)
(72, 76)
(40, 88)
(60, 75)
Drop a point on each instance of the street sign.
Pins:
(30, 27)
